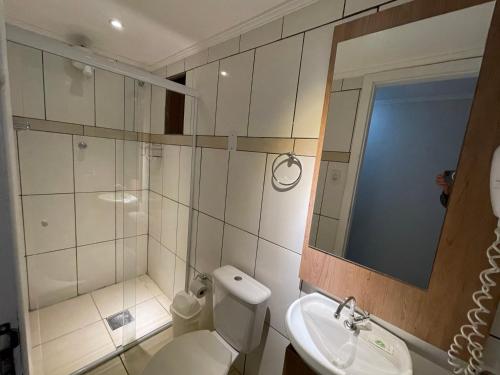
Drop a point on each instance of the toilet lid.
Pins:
(194, 353)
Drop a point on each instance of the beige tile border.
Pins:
(342, 157)
(273, 145)
(301, 146)
(305, 147)
(94, 131)
(171, 139)
(211, 141)
(48, 126)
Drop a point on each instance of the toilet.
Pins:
(239, 309)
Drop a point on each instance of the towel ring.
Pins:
(291, 159)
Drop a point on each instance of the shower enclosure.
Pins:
(104, 201)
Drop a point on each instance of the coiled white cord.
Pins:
(470, 333)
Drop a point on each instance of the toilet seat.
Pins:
(194, 353)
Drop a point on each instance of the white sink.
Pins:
(328, 347)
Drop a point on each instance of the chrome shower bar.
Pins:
(31, 39)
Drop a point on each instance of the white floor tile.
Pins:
(149, 315)
(71, 352)
(112, 367)
(62, 318)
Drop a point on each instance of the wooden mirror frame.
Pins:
(435, 314)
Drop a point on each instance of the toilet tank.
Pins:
(240, 304)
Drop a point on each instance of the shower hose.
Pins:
(470, 334)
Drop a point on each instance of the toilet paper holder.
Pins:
(199, 286)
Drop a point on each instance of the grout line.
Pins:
(298, 85)
(75, 211)
(282, 26)
(22, 217)
(260, 211)
(251, 92)
(216, 96)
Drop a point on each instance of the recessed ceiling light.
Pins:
(223, 73)
(116, 24)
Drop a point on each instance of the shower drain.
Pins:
(120, 319)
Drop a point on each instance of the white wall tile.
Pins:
(185, 174)
(129, 104)
(284, 213)
(196, 60)
(189, 101)
(96, 266)
(320, 186)
(169, 224)
(171, 155)
(95, 217)
(274, 88)
(233, 98)
(26, 81)
(354, 6)
(239, 249)
(204, 79)
(224, 49)
(46, 162)
(132, 165)
(69, 95)
(495, 327)
(327, 233)
(336, 85)
(161, 267)
(51, 277)
(352, 83)
(155, 215)
(94, 164)
(278, 269)
(49, 222)
(314, 15)
(158, 110)
(131, 257)
(334, 189)
(109, 99)
(393, 4)
(131, 213)
(340, 122)
(422, 366)
(214, 165)
(208, 243)
(265, 34)
(268, 359)
(492, 354)
(244, 189)
(142, 108)
(156, 174)
(180, 275)
(182, 231)
(312, 82)
(175, 68)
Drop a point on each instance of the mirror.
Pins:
(396, 121)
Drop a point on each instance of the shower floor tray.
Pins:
(72, 334)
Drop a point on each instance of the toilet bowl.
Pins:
(239, 308)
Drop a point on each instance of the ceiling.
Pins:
(155, 31)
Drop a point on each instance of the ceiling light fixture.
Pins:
(116, 24)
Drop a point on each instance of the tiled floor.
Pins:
(134, 361)
(74, 333)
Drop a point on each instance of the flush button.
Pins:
(44, 223)
(238, 278)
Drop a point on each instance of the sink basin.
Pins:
(328, 347)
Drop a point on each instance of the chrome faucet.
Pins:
(352, 321)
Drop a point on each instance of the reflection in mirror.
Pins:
(397, 116)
